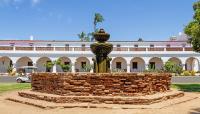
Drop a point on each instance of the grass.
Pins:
(187, 87)
(5, 87)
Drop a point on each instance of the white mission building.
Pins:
(129, 56)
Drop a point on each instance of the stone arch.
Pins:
(192, 63)
(5, 63)
(40, 64)
(137, 64)
(176, 60)
(64, 60)
(80, 63)
(24, 61)
(119, 63)
(156, 63)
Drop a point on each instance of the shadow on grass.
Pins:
(195, 111)
(187, 87)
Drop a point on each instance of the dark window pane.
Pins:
(118, 65)
(135, 65)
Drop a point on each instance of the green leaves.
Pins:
(84, 37)
(172, 67)
(193, 28)
(98, 18)
(65, 67)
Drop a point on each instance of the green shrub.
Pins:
(193, 73)
(186, 73)
(64, 67)
(172, 67)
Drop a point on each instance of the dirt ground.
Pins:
(9, 107)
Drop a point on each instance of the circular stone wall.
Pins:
(105, 84)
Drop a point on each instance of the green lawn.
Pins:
(187, 87)
(4, 87)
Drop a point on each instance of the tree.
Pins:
(98, 18)
(193, 28)
(65, 67)
(172, 67)
(49, 65)
(140, 40)
(83, 37)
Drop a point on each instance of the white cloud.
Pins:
(35, 2)
(18, 2)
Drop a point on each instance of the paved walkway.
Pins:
(188, 107)
(186, 79)
(7, 79)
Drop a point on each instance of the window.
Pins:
(136, 46)
(83, 64)
(151, 46)
(12, 44)
(168, 45)
(118, 45)
(152, 65)
(49, 45)
(118, 65)
(48, 69)
(66, 45)
(135, 65)
(30, 44)
(183, 45)
(83, 45)
(30, 63)
(66, 63)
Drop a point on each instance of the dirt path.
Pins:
(9, 107)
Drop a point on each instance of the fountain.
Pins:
(99, 87)
(101, 49)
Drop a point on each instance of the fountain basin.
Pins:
(101, 84)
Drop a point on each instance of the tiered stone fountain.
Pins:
(101, 49)
(99, 87)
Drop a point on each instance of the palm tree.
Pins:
(98, 18)
(140, 40)
(82, 36)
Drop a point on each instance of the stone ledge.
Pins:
(140, 100)
(50, 105)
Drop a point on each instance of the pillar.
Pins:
(128, 67)
(73, 68)
(54, 68)
(195, 65)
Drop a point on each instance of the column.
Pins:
(73, 68)
(183, 66)
(54, 68)
(146, 66)
(195, 65)
(73, 62)
(128, 60)
(128, 68)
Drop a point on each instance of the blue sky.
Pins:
(64, 19)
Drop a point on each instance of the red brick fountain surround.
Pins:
(97, 88)
(101, 84)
